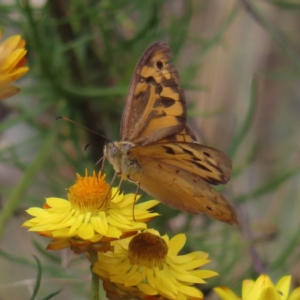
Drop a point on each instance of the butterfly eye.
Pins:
(159, 65)
(114, 151)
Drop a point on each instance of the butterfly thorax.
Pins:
(117, 154)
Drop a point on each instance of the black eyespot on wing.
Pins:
(209, 208)
(159, 65)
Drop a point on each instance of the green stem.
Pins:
(95, 278)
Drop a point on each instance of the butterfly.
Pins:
(159, 152)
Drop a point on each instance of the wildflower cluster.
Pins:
(132, 260)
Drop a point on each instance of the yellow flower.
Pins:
(12, 61)
(262, 289)
(93, 213)
(149, 265)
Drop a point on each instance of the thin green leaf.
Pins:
(50, 296)
(38, 278)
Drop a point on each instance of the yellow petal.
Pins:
(62, 233)
(120, 218)
(113, 232)
(17, 73)
(205, 273)
(77, 222)
(246, 287)
(85, 231)
(183, 260)
(36, 211)
(12, 60)
(165, 281)
(260, 284)
(87, 217)
(269, 293)
(147, 289)
(226, 294)
(99, 224)
(190, 265)
(118, 267)
(146, 205)
(177, 243)
(118, 197)
(295, 295)
(190, 291)
(12, 42)
(150, 277)
(133, 278)
(57, 202)
(283, 286)
(96, 238)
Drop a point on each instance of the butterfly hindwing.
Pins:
(179, 186)
(156, 106)
(211, 165)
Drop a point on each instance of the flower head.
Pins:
(262, 289)
(12, 61)
(93, 213)
(149, 265)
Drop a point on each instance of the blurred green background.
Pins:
(239, 64)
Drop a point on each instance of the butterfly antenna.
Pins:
(87, 145)
(86, 128)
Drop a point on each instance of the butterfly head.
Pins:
(116, 153)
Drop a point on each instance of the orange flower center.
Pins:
(90, 193)
(148, 250)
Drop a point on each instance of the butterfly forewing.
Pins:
(155, 107)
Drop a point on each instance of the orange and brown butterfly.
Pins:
(158, 152)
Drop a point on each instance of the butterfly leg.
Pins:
(135, 196)
(103, 163)
(118, 190)
(110, 187)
